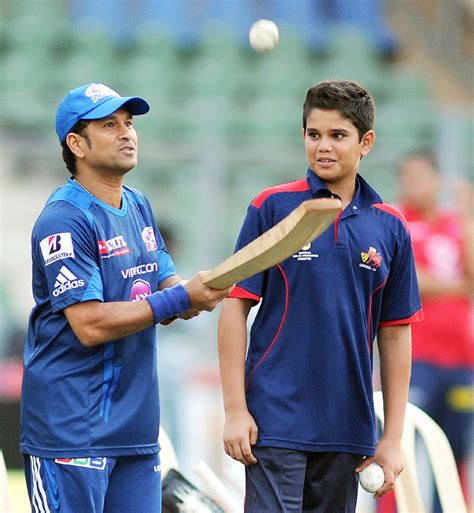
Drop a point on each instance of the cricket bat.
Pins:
(301, 226)
(304, 224)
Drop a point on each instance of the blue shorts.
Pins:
(444, 394)
(287, 481)
(126, 484)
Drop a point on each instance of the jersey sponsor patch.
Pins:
(56, 247)
(117, 246)
(94, 463)
(151, 267)
(66, 280)
(140, 290)
(148, 236)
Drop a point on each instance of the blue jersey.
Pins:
(103, 400)
(309, 361)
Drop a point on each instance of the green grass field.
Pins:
(18, 493)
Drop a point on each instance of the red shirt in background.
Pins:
(446, 337)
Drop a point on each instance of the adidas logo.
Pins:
(66, 280)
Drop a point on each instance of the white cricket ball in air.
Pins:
(263, 36)
(372, 478)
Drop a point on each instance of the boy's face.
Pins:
(333, 148)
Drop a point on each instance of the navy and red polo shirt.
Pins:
(309, 361)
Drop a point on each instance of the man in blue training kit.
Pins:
(102, 279)
(299, 404)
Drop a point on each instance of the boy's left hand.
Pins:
(388, 454)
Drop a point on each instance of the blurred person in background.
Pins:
(102, 280)
(443, 345)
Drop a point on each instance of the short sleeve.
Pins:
(252, 227)
(64, 255)
(401, 302)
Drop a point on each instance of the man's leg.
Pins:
(275, 483)
(67, 485)
(330, 483)
(135, 485)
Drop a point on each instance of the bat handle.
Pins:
(166, 322)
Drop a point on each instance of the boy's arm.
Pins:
(394, 344)
(240, 430)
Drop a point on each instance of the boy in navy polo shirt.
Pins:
(102, 279)
(299, 407)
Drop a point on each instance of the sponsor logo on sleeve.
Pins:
(93, 463)
(148, 236)
(371, 259)
(117, 246)
(56, 247)
(65, 281)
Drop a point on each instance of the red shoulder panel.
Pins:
(392, 210)
(296, 186)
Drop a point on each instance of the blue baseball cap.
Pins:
(93, 101)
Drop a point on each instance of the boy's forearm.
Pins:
(232, 345)
(395, 368)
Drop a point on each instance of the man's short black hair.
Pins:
(350, 98)
(68, 156)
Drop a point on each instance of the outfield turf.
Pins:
(18, 494)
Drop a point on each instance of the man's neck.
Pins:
(104, 188)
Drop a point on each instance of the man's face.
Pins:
(332, 146)
(419, 183)
(110, 144)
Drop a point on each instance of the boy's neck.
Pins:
(346, 191)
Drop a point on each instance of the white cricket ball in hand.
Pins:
(372, 478)
(263, 36)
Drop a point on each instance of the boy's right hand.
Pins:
(240, 433)
(203, 297)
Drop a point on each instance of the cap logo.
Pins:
(98, 91)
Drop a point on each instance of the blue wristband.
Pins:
(168, 302)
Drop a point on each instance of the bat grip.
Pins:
(168, 321)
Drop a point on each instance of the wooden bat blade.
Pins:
(300, 227)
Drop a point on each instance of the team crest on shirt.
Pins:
(148, 236)
(94, 463)
(371, 259)
(56, 247)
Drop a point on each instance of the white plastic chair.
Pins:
(441, 459)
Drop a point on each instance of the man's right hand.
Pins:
(240, 433)
(203, 297)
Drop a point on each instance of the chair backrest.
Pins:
(441, 460)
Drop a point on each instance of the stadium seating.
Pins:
(216, 87)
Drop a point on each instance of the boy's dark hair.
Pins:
(351, 99)
(68, 156)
